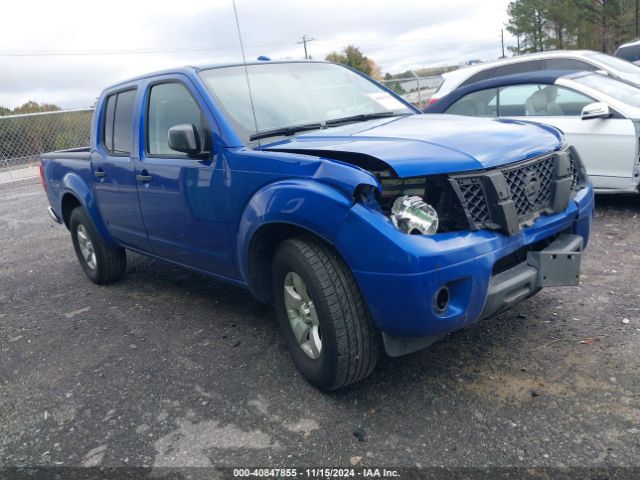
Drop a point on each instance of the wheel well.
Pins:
(261, 252)
(69, 202)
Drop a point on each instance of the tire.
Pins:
(107, 264)
(349, 342)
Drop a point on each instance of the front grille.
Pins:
(575, 173)
(531, 185)
(475, 200)
(519, 179)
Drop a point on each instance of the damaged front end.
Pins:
(504, 199)
(422, 205)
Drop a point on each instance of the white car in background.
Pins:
(599, 115)
(629, 51)
(578, 60)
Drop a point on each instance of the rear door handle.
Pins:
(100, 173)
(144, 178)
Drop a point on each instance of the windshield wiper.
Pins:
(362, 118)
(292, 130)
(286, 131)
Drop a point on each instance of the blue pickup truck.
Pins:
(370, 226)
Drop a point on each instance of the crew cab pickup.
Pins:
(369, 225)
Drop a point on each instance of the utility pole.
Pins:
(518, 44)
(304, 42)
(418, 85)
(637, 8)
(502, 41)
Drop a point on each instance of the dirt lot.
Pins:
(168, 368)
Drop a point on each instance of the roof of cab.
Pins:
(191, 69)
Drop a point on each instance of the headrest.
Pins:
(539, 100)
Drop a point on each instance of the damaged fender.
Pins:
(319, 204)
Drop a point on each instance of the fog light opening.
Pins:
(442, 300)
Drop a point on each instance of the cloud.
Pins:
(398, 35)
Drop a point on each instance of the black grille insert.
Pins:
(474, 199)
(508, 198)
(531, 186)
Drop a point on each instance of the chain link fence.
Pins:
(417, 90)
(24, 137)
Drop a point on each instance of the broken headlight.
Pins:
(412, 215)
(435, 191)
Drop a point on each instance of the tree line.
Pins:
(602, 25)
(353, 57)
(29, 107)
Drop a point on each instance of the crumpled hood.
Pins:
(430, 144)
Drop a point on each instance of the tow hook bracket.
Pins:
(559, 263)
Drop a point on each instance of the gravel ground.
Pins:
(168, 368)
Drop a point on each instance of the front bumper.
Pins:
(410, 270)
(555, 265)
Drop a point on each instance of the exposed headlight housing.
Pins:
(412, 215)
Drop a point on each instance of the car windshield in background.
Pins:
(613, 88)
(291, 95)
(616, 63)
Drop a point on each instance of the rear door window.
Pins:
(122, 122)
(520, 67)
(118, 122)
(569, 64)
(108, 122)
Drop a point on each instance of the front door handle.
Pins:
(100, 173)
(144, 178)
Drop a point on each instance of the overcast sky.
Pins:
(97, 43)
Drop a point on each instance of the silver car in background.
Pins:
(599, 115)
(577, 60)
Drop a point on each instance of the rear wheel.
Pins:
(100, 262)
(322, 315)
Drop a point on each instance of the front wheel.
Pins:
(322, 315)
(100, 262)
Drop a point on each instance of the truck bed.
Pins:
(81, 153)
(63, 168)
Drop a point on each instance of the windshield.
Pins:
(616, 64)
(613, 88)
(292, 94)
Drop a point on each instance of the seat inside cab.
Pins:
(543, 102)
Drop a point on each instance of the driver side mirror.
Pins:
(596, 110)
(184, 138)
